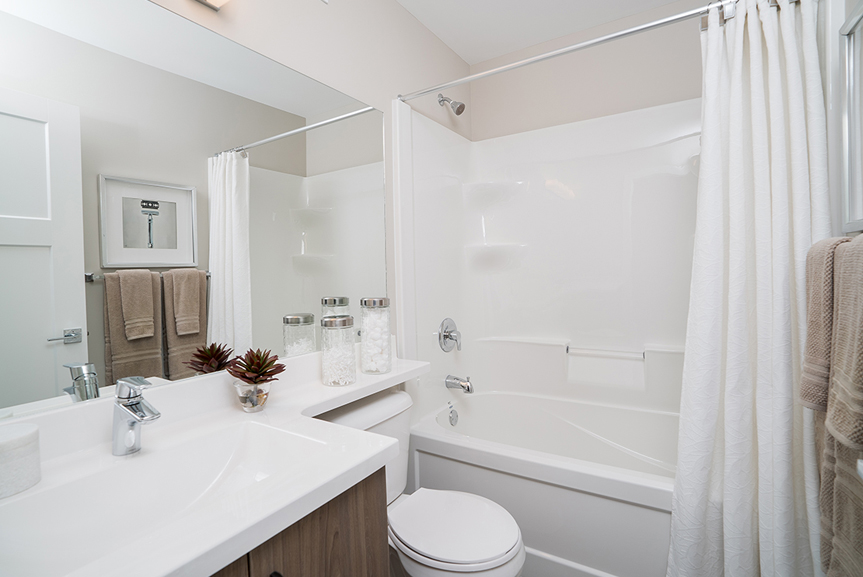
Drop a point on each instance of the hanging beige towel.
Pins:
(841, 489)
(124, 357)
(819, 328)
(186, 300)
(136, 303)
(180, 346)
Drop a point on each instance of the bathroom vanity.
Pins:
(213, 490)
(346, 536)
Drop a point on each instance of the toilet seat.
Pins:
(454, 531)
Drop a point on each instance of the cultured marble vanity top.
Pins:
(209, 484)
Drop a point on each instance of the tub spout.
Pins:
(453, 382)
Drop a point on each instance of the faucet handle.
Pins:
(130, 387)
(448, 334)
(455, 336)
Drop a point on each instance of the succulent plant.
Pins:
(211, 358)
(256, 367)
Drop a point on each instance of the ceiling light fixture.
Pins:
(214, 4)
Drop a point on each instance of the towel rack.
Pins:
(623, 355)
(93, 277)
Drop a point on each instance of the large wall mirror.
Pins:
(150, 96)
(852, 104)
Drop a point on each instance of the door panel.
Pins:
(41, 246)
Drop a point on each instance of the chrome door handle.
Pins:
(70, 336)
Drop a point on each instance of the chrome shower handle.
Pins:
(448, 335)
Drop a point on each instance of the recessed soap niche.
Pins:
(488, 256)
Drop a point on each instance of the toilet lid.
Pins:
(454, 527)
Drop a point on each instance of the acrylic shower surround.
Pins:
(574, 236)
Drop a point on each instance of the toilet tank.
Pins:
(385, 413)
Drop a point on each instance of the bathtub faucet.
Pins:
(453, 382)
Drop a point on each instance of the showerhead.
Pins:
(457, 107)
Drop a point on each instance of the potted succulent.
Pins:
(214, 357)
(254, 372)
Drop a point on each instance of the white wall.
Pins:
(582, 234)
(316, 236)
(139, 122)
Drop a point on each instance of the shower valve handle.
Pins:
(449, 335)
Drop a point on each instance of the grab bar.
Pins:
(624, 355)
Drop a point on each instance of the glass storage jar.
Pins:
(299, 334)
(334, 306)
(375, 353)
(338, 362)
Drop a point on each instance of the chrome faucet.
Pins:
(130, 412)
(448, 335)
(85, 383)
(453, 382)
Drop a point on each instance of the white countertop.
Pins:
(106, 530)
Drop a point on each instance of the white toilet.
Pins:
(435, 533)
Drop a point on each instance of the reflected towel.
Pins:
(136, 302)
(180, 346)
(186, 300)
(138, 357)
(819, 325)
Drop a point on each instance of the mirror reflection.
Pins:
(72, 112)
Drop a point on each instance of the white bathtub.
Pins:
(590, 485)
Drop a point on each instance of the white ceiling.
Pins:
(478, 30)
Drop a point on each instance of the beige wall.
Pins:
(138, 122)
(648, 69)
(348, 143)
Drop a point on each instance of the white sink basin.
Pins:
(110, 517)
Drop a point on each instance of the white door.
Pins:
(41, 246)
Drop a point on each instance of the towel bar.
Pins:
(625, 355)
(93, 277)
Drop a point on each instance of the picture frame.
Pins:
(147, 224)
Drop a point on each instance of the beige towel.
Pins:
(139, 357)
(187, 300)
(181, 347)
(841, 489)
(819, 328)
(136, 303)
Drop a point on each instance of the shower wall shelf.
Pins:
(487, 193)
(311, 264)
(494, 257)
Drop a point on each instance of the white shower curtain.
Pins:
(745, 495)
(230, 319)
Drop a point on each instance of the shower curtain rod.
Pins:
(728, 9)
(301, 129)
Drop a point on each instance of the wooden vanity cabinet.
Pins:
(346, 537)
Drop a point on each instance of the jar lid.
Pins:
(374, 302)
(335, 301)
(299, 319)
(337, 321)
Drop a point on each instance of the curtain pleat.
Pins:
(230, 276)
(745, 498)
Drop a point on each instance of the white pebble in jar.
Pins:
(375, 353)
(299, 334)
(338, 362)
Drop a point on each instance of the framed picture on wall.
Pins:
(146, 224)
